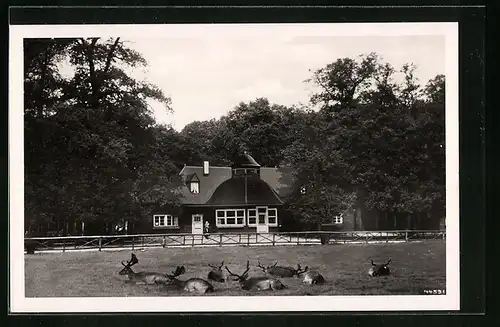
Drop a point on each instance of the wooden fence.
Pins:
(100, 243)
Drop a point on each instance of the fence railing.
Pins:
(101, 242)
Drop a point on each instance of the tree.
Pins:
(89, 144)
(256, 127)
(342, 81)
(372, 140)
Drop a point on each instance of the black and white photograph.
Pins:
(234, 167)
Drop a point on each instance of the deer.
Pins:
(192, 285)
(216, 274)
(260, 283)
(149, 278)
(311, 277)
(280, 271)
(380, 270)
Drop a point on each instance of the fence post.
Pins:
(220, 239)
(298, 239)
(192, 240)
(274, 239)
(406, 236)
(248, 239)
(133, 243)
(100, 244)
(164, 241)
(64, 245)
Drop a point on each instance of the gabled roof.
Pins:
(280, 181)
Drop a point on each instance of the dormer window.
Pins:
(194, 187)
(193, 183)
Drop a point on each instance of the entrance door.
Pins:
(262, 221)
(197, 224)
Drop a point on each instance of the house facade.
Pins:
(242, 197)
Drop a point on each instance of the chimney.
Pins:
(206, 168)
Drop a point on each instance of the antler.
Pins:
(230, 273)
(299, 270)
(388, 262)
(222, 264)
(275, 264)
(133, 261)
(372, 262)
(261, 266)
(248, 268)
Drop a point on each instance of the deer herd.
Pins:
(268, 282)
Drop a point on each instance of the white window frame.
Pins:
(275, 224)
(169, 221)
(194, 190)
(225, 217)
(253, 216)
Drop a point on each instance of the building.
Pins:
(242, 197)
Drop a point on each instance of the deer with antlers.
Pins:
(149, 278)
(281, 271)
(192, 285)
(216, 274)
(260, 283)
(379, 270)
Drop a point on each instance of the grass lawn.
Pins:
(415, 266)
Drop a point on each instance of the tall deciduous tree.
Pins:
(90, 137)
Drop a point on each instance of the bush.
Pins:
(30, 246)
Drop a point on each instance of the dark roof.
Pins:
(241, 191)
(244, 161)
(280, 180)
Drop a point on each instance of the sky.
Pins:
(208, 70)
(206, 78)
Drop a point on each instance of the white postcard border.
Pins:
(19, 303)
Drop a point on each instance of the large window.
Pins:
(160, 221)
(252, 217)
(272, 216)
(230, 218)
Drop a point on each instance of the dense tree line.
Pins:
(93, 150)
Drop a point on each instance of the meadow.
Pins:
(415, 266)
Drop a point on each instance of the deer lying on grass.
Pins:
(149, 278)
(311, 277)
(379, 270)
(260, 283)
(217, 275)
(192, 285)
(280, 271)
